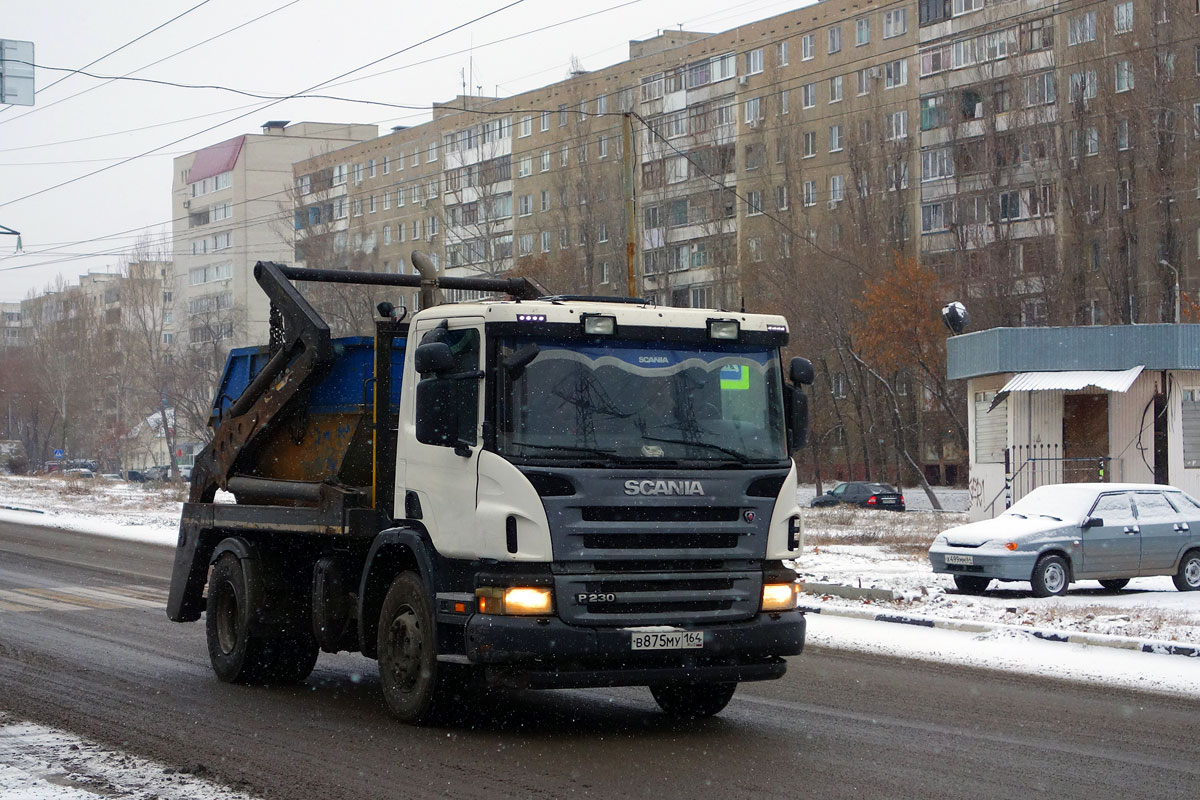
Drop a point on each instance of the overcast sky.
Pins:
(85, 124)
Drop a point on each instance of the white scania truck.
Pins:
(544, 492)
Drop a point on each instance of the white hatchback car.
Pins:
(1057, 534)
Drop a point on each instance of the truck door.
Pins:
(439, 482)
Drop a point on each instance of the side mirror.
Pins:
(433, 357)
(801, 371)
(799, 418)
(516, 363)
(437, 417)
(1093, 522)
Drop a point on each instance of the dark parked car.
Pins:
(862, 493)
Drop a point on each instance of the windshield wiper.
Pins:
(741, 457)
(595, 451)
(1051, 516)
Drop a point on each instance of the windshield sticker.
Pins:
(666, 362)
(735, 378)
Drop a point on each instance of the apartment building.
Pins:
(231, 207)
(1059, 165)
(10, 324)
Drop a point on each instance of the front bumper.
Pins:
(547, 653)
(1003, 565)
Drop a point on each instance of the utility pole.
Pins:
(628, 186)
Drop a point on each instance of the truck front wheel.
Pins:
(239, 655)
(692, 700)
(408, 667)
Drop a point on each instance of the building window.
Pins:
(864, 81)
(1039, 89)
(810, 193)
(370, 168)
(808, 95)
(1081, 29)
(991, 428)
(810, 144)
(753, 203)
(781, 197)
(806, 47)
(781, 54)
(525, 244)
(895, 23)
(835, 39)
(545, 126)
(835, 89)
(785, 97)
(525, 166)
(1038, 34)
(936, 164)
(895, 73)
(835, 138)
(1124, 80)
(862, 31)
(754, 61)
(753, 109)
(837, 188)
(1122, 133)
(754, 244)
(358, 173)
(1083, 86)
(525, 205)
(897, 125)
(966, 6)
(1123, 17)
(526, 127)
(936, 217)
(1191, 428)
(545, 241)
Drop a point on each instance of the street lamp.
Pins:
(1162, 262)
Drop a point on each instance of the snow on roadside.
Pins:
(40, 763)
(1013, 652)
(847, 547)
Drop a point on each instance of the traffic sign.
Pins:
(58, 453)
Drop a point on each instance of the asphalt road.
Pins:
(86, 647)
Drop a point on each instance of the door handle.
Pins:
(1132, 530)
(1181, 526)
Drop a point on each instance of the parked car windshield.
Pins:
(632, 401)
(1063, 501)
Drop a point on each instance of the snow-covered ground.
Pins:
(39, 763)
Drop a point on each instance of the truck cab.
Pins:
(567, 492)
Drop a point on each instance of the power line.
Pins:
(106, 55)
(151, 64)
(263, 107)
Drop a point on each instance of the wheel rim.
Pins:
(1054, 577)
(1191, 572)
(405, 649)
(227, 618)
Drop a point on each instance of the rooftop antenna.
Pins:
(463, 75)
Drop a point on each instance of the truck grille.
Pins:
(657, 598)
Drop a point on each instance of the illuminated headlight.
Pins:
(599, 325)
(723, 329)
(515, 600)
(779, 596)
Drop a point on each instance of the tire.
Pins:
(971, 584)
(237, 654)
(1050, 577)
(409, 674)
(692, 700)
(1114, 584)
(1187, 578)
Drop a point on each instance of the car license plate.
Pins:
(889, 501)
(668, 640)
(952, 558)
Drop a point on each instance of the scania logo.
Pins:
(651, 488)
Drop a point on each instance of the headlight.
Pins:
(779, 596)
(515, 600)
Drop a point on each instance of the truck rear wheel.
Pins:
(239, 655)
(692, 700)
(408, 667)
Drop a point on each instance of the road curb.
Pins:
(1049, 635)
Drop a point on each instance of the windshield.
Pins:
(1060, 501)
(642, 401)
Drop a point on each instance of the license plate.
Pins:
(668, 640)
(887, 501)
(951, 558)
